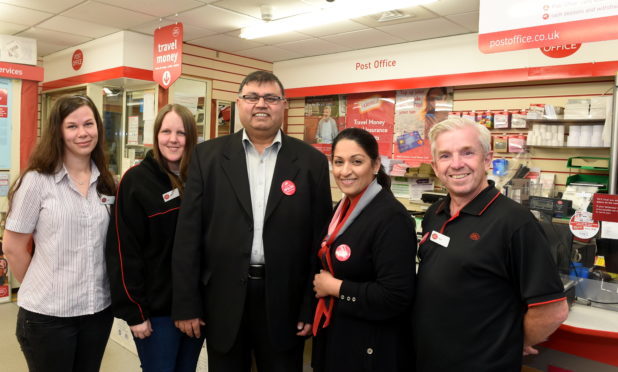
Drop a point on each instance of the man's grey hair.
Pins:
(460, 123)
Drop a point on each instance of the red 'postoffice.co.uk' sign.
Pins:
(167, 54)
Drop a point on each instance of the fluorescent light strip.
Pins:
(341, 10)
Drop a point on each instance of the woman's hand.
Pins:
(325, 284)
(142, 330)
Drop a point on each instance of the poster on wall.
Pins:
(324, 119)
(416, 111)
(5, 123)
(5, 288)
(373, 112)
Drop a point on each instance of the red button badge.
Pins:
(288, 187)
(343, 252)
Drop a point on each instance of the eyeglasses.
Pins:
(254, 98)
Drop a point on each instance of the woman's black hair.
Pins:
(369, 144)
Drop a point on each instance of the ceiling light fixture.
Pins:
(330, 13)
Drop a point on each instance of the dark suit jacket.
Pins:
(215, 234)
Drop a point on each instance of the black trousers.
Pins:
(55, 344)
(253, 337)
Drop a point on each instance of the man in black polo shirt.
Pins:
(487, 286)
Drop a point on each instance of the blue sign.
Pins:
(5, 123)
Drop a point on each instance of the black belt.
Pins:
(257, 271)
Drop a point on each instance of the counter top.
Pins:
(592, 321)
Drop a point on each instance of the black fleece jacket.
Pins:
(139, 243)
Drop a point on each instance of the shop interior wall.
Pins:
(224, 69)
(509, 96)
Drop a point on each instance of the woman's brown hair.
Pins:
(188, 122)
(48, 154)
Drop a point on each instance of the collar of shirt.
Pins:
(247, 144)
(475, 207)
(63, 172)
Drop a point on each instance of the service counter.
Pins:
(587, 341)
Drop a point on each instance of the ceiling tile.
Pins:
(280, 8)
(415, 13)
(448, 7)
(313, 47)
(190, 32)
(212, 18)
(467, 20)
(55, 37)
(278, 39)
(7, 28)
(225, 43)
(15, 14)
(364, 39)
(51, 6)
(108, 15)
(78, 27)
(157, 8)
(333, 28)
(421, 30)
(270, 53)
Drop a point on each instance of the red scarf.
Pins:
(324, 309)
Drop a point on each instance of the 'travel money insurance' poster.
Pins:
(374, 112)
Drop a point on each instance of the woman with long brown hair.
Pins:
(140, 242)
(62, 202)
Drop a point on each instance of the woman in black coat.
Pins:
(366, 284)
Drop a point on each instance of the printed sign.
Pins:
(506, 25)
(374, 112)
(5, 124)
(17, 49)
(77, 59)
(416, 111)
(167, 54)
(605, 207)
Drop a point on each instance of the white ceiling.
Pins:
(61, 24)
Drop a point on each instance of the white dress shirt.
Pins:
(67, 274)
(260, 168)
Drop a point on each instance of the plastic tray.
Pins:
(588, 162)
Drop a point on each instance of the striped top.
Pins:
(67, 274)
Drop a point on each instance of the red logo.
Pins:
(167, 196)
(77, 60)
(288, 187)
(343, 252)
(475, 236)
(434, 236)
(560, 51)
(103, 200)
(545, 16)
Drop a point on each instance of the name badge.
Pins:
(172, 194)
(441, 239)
(107, 200)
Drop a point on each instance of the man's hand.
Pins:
(190, 327)
(142, 330)
(304, 329)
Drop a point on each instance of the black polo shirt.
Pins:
(471, 296)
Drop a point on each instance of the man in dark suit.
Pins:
(250, 224)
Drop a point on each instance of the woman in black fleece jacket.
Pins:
(140, 241)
